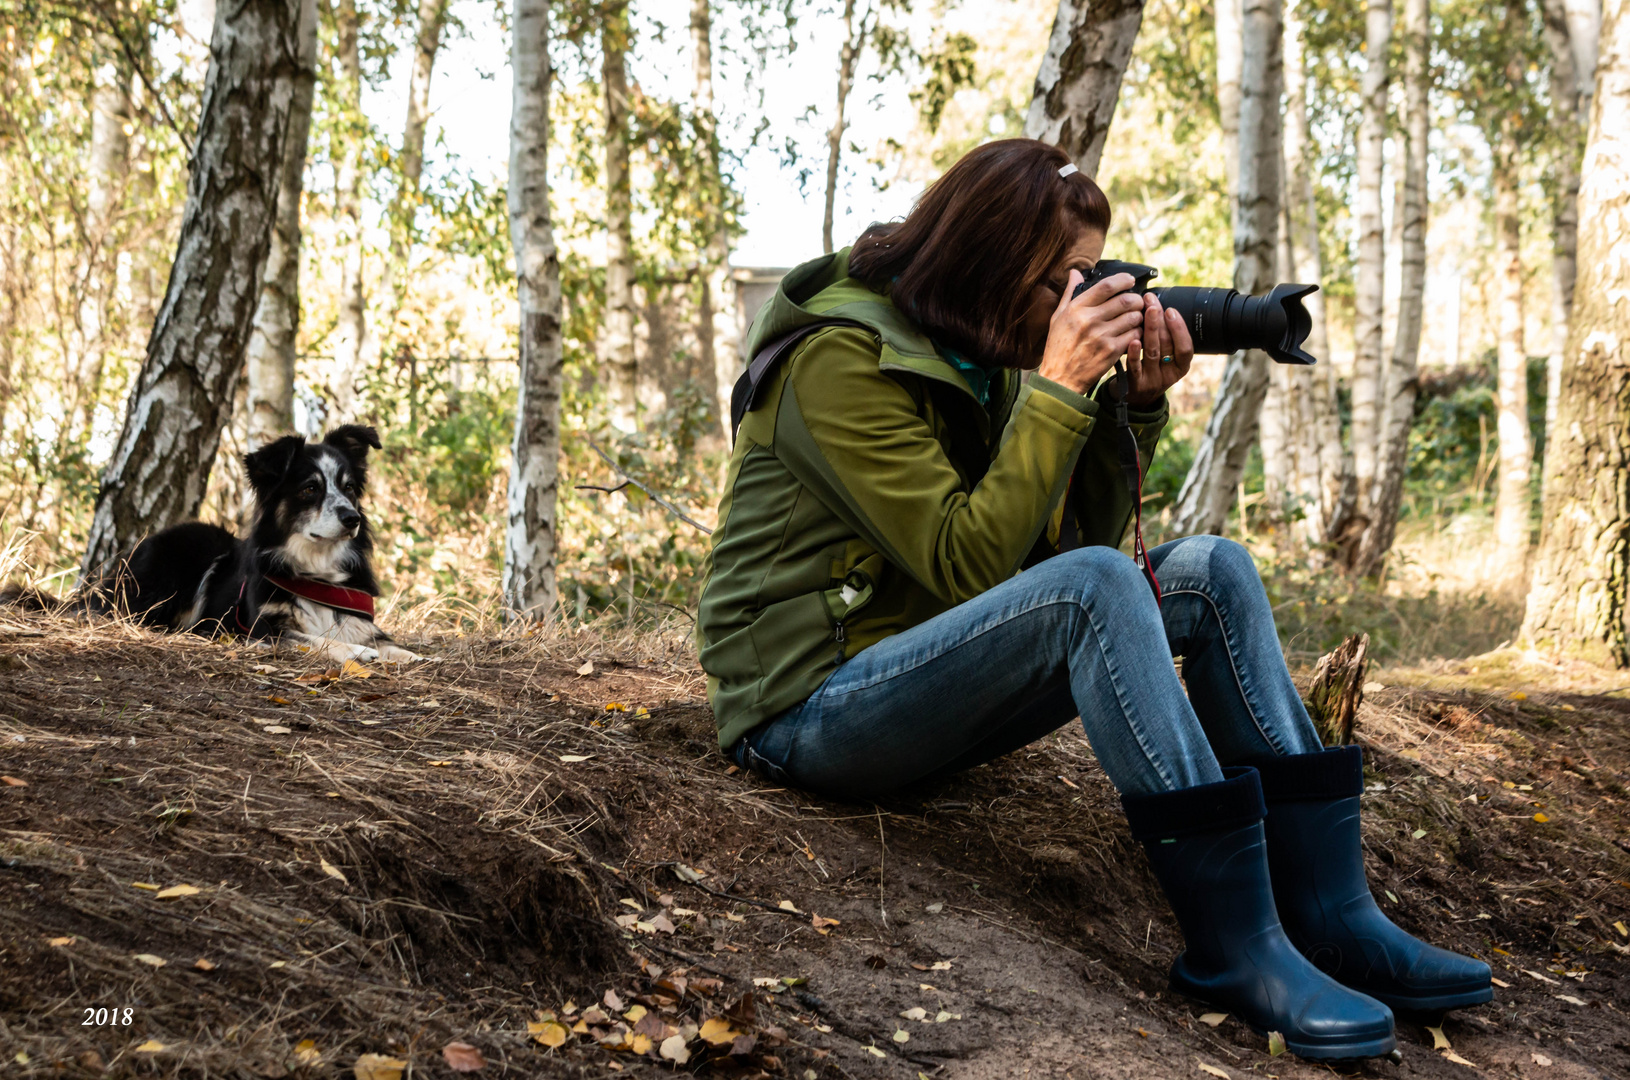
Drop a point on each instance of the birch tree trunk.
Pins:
(1230, 16)
(716, 311)
(1511, 499)
(351, 332)
(1322, 467)
(1576, 601)
(622, 372)
(1080, 77)
(106, 169)
(1209, 489)
(272, 339)
(431, 17)
(1369, 288)
(1397, 408)
(531, 533)
(182, 397)
(1569, 99)
(854, 38)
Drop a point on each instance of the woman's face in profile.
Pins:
(1083, 253)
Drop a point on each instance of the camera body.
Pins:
(1223, 320)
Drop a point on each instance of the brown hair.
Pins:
(966, 260)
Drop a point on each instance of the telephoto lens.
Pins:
(1223, 320)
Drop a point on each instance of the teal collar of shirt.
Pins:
(977, 378)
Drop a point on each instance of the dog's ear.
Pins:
(268, 466)
(353, 440)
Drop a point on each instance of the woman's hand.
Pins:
(1160, 356)
(1088, 334)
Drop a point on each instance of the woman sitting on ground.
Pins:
(866, 624)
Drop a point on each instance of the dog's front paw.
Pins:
(392, 653)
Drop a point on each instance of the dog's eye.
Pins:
(310, 491)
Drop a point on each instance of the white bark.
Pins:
(1080, 77)
(1584, 19)
(716, 312)
(272, 341)
(1511, 500)
(530, 536)
(106, 169)
(1230, 26)
(1209, 489)
(1320, 466)
(617, 357)
(432, 15)
(1569, 100)
(351, 332)
(182, 397)
(1369, 288)
(1397, 408)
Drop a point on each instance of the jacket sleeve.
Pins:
(1102, 503)
(858, 439)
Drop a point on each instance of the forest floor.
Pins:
(218, 862)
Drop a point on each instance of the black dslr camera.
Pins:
(1224, 321)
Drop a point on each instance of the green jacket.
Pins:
(869, 491)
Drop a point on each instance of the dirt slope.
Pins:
(388, 863)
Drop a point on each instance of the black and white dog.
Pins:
(301, 577)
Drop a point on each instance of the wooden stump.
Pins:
(1337, 690)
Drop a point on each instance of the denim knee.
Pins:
(1225, 565)
(1098, 572)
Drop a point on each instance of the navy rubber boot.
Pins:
(1317, 862)
(1208, 851)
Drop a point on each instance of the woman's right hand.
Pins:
(1088, 334)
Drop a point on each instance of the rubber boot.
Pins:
(1317, 863)
(1208, 851)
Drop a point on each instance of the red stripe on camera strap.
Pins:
(1126, 449)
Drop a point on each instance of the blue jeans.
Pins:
(1077, 635)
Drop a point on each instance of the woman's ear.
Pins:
(268, 466)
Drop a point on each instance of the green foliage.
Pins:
(949, 64)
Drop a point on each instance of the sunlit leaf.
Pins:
(378, 1067)
(462, 1057)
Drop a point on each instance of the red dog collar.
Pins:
(338, 597)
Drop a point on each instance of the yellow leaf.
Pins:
(548, 1032)
(151, 960)
(333, 871)
(148, 885)
(204, 965)
(306, 1052)
(917, 1013)
(635, 1014)
(151, 1046)
(817, 922)
(438, 763)
(59, 942)
(1622, 929)
(1440, 1041)
(1457, 1059)
(1213, 1019)
(1516, 695)
(874, 1051)
(902, 1036)
(355, 670)
(22, 1057)
(175, 891)
(378, 1067)
(616, 706)
(1542, 818)
(717, 1032)
(1276, 1044)
(640, 1044)
(788, 905)
(280, 701)
(1212, 1070)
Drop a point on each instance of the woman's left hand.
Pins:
(1161, 358)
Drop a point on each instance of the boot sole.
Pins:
(1433, 1005)
(1379, 1046)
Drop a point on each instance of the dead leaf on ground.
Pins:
(1212, 1070)
(59, 942)
(177, 891)
(333, 871)
(673, 1048)
(612, 1001)
(1276, 1044)
(306, 1052)
(204, 965)
(874, 1051)
(277, 729)
(151, 1046)
(1540, 1059)
(817, 922)
(788, 905)
(548, 1032)
(1450, 1055)
(915, 1013)
(12, 781)
(1212, 1019)
(717, 1031)
(1570, 999)
(573, 759)
(148, 885)
(1440, 1041)
(150, 960)
(355, 670)
(378, 1067)
(902, 1036)
(462, 1057)
(587, 668)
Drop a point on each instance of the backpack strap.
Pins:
(744, 398)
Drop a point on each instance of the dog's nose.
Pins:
(350, 518)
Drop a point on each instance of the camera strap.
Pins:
(1126, 448)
